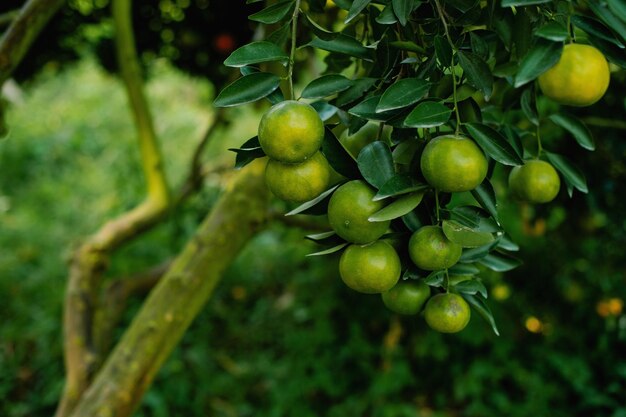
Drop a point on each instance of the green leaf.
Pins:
(505, 243)
(397, 185)
(477, 72)
(275, 96)
(475, 254)
(608, 17)
(247, 89)
(402, 94)
(367, 110)
(329, 251)
(494, 144)
(486, 197)
(483, 310)
(577, 128)
(254, 53)
(552, 31)
(318, 30)
(248, 152)
(463, 269)
(279, 36)
(465, 236)
(435, 279)
(356, 8)
(500, 262)
(324, 109)
(343, 44)
(479, 45)
(511, 3)
(571, 173)
(471, 286)
(316, 206)
(529, 106)
(338, 157)
(326, 85)
(273, 13)
(376, 163)
(428, 114)
(329, 238)
(402, 9)
(398, 208)
(358, 89)
(596, 28)
(541, 57)
(443, 51)
(618, 7)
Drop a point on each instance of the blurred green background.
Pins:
(282, 336)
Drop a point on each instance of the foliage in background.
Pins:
(283, 336)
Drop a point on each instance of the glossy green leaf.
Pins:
(318, 30)
(479, 45)
(463, 269)
(486, 197)
(402, 9)
(329, 251)
(317, 206)
(471, 286)
(571, 173)
(343, 44)
(596, 28)
(398, 208)
(511, 3)
(435, 279)
(541, 57)
(402, 94)
(326, 85)
(529, 106)
(577, 128)
(367, 110)
(552, 31)
(280, 36)
(479, 304)
(472, 255)
(500, 262)
(618, 7)
(247, 89)
(608, 17)
(477, 72)
(376, 163)
(505, 243)
(465, 236)
(248, 152)
(428, 114)
(494, 144)
(387, 16)
(358, 89)
(338, 157)
(275, 96)
(318, 237)
(443, 50)
(254, 53)
(397, 185)
(356, 8)
(324, 109)
(273, 13)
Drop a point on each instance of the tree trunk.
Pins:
(178, 298)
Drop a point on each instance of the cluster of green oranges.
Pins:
(291, 134)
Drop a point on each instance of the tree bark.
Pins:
(178, 298)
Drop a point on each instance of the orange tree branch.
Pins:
(178, 297)
(25, 27)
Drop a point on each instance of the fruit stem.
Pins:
(437, 205)
(447, 282)
(539, 147)
(292, 52)
(447, 32)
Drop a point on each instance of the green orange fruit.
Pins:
(453, 163)
(349, 209)
(407, 297)
(579, 78)
(291, 132)
(535, 182)
(298, 182)
(430, 249)
(370, 269)
(447, 313)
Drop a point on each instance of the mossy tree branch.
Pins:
(82, 355)
(178, 297)
(24, 29)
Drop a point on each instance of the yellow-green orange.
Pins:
(298, 182)
(430, 249)
(361, 138)
(370, 269)
(447, 313)
(407, 297)
(291, 132)
(535, 182)
(349, 209)
(579, 78)
(453, 163)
